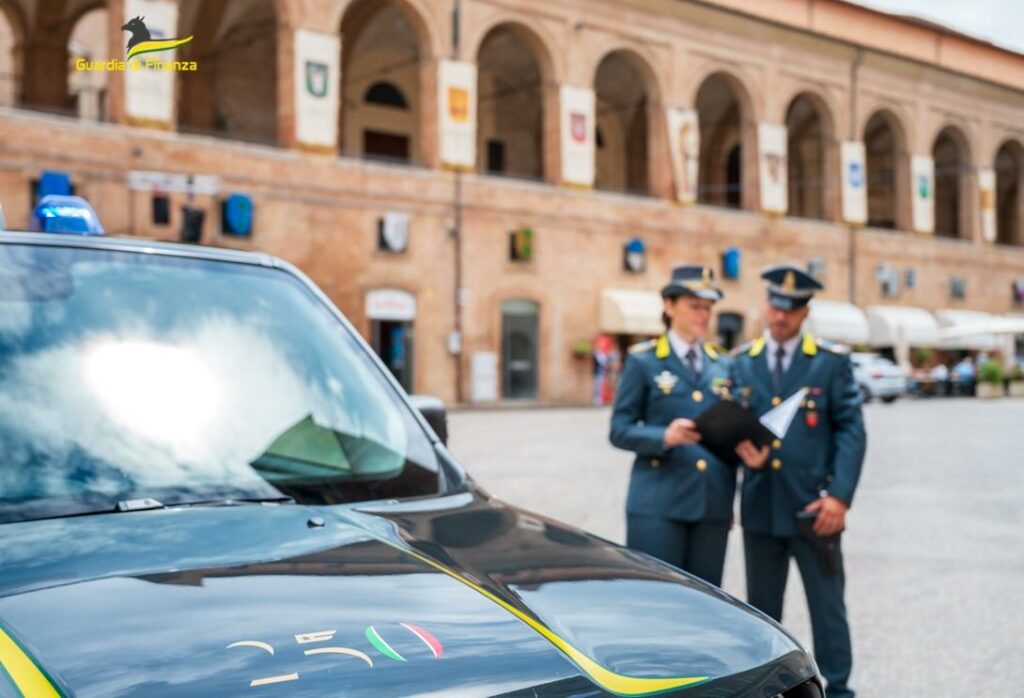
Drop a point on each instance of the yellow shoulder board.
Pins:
(714, 351)
(810, 347)
(663, 348)
(641, 347)
(757, 347)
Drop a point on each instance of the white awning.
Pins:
(631, 312)
(891, 325)
(968, 329)
(839, 322)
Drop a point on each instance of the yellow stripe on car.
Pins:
(609, 680)
(23, 671)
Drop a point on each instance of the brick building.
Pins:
(606, 141)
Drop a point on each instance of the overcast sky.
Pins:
(998, 21)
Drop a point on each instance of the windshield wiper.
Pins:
(148, 503)
(234, 501)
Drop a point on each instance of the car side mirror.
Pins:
(433, 410)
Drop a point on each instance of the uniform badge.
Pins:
(811, 418)
(666, 381)
(721, 388)
(697, 396)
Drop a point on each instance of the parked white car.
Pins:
(878, 377)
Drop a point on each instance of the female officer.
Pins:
(680, 502)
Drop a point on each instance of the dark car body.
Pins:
(451, 594)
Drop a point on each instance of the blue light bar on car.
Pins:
(71, 215)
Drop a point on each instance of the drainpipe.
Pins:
(456, 231)
(852, 252)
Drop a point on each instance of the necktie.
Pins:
(779, 371)
(691, 362)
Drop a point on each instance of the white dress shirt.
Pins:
(790, 346)
(680, 346)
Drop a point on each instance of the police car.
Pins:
(211, 486)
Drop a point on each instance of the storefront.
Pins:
(519, 341)
(391, 313)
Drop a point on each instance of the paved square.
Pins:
(935, 542)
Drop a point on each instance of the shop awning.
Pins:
(968, 329)
(891, 325)
(625, 311)
(839, 322)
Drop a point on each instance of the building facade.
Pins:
(483, 186)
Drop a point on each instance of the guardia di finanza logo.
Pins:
(141, 45)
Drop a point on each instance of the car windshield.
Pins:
(128, 376)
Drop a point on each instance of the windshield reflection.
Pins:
(176, 377)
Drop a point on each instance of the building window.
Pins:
(520, 245)
(386, 95)
(495, 156)
(386, 146)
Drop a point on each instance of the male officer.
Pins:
(815, 468)
(680, 499)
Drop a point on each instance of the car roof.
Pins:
(141, 246)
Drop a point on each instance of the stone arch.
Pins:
(13, 35)
(1009, 169)
(415, 12)
(728, 142)
(887, 170)
(234, 93)
(542, 44)
(812, 161)
(517, 103)
(383, 41)
(628, 98)
(951, 152)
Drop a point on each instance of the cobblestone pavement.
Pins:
(934, 548)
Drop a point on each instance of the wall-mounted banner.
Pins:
(149, 94)
(577, 135)
(457, 118)
(987, 194)
(855, 182)
(774, 179)
(922, 193)
(317, 80)
(684, 145)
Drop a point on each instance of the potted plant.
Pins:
(1017, 382)
(990, 379)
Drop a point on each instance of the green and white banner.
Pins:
(922, 193)
(317, 86)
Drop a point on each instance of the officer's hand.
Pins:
(681, 432)
(752, 456)
(831, 515)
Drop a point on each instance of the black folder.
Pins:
(725, 424)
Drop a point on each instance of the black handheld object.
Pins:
(725, 424)
(827, 547)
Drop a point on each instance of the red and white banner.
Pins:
(578, 129)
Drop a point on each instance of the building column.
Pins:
(429, 125)
(750, 198)
(660, 182)
(285, 46)
(116, 102)
(551, 133)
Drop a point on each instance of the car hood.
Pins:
(451, 596)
